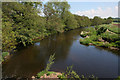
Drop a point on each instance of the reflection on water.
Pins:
(37, 44)
(87, 60)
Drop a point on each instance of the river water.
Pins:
(86, 60)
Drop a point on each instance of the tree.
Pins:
(58, 17)
(83, 21)
(22, 23)
(71, 22)
(97, 21)
(109, 20)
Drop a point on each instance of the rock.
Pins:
(33, 77)
(82, 32)
(113, 48)
(101, 40)
(54, 75)
(90, 44)
(87, 37)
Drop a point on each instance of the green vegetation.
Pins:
(23, 23)
(49, 64)
(116, 20)
(72, 75)
(83, 21)
(4, 56)
(68, 74)
(118, 78)
(21, 20)
(20, 24)
(103, 36)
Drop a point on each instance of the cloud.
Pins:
(104, 13)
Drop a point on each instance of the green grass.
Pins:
(45, 72)
(4, 54)
(111, 27)
(50, 72)
(62, 77)
(2, 57)
(109, 38)
(114, 29)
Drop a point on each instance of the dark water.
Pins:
(86, 60)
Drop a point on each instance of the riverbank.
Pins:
(32, 59)
(106, 36)
(4, 56)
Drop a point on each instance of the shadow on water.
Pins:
(68, 51)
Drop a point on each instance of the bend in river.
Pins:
(86, 60)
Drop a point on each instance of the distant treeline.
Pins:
(22, 24)
(84, 21)
(116, 20)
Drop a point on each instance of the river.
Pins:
(86, 60)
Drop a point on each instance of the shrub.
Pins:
(4, 54)
(101, 30)
(110, 37)
(85, 41)
(49, 64)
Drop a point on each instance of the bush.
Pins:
(101, 30)
(49, 64)
(4, 54)
(110, 37)
(85, 41)
(84, 34)
(94, 35)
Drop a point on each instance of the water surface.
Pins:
(86, 60)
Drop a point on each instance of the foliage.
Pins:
(118, 78)
(83, 21)
(22, 23)
(71, 73)
(49, 64)
(85, 41)
(2, 57)
(4, 54)
(116, 20)
(110, 37)
(50, 72)
(58, 13)
(114, 29)
(97, 21)
(71, 23)
(108, 20)
(101, 36)
(101, 30)
(41, 73)
(62, 77)
(84, 34)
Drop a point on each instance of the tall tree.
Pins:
(55, 15)
(97, 20)
(23, 20)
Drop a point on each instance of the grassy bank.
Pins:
(103, 35)
(4, 56)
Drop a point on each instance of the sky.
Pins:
(91, 9)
